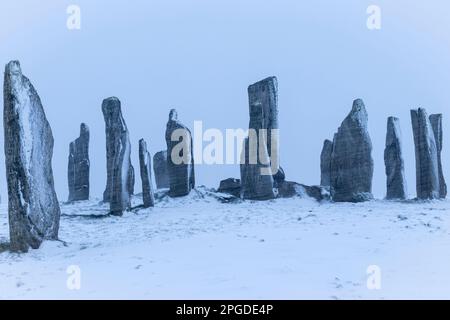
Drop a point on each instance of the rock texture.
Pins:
(160, 170)
(289, 189)
(263, 109)
(180, 157)
(393, 159)
(78, 168)
(351, 158)
(325, 163)
(32, 203)
(427, 167)
(146, 175)
(230, 186)
(436, 124)
(120, 172)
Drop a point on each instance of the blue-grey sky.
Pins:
(199, 56)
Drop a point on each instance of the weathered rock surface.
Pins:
(436, 124)
(325, 163)
(120, 172)
(230, 186)
(393, 159)
(263, 109)
(289, 189)
(180, 157)
(148, 196)
(351, 158)
(78, 168)
(160, 170)
(427, 168)
(33, 206)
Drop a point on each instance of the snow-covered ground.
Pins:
(199, 248)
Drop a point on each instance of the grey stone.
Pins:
(33, 206)
(120, 172)
(436, 124)
(146, 175)
(393, 159)
(230, 186)
(263, 110)
(427, 168)
(181, 169)
(115, 128)
(325, 163)
(289, 189)
(78, 168)
(351, 159)
(160, 170)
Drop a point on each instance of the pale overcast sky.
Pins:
(199, 56)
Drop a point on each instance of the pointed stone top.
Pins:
(359, 113)
(13, 67)
(142, 144)
(173, 115)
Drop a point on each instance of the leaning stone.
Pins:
(33, 206)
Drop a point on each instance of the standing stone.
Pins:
(32, 202)
(78, 169)
(120, 172)
(436, 124)
(181, 168)
(427, 168)
(160, 170)
(115, 129)
(325, 163)
(393, 159)
(146, 175)
(351, 158)
(257, 149)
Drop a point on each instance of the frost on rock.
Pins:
(436, 124)
(325, 163)
(33, 206)
(427, 168)
(393, 159)
(263, 109)
(78, 168)
(120, 172)
(146, 171)
(160, 170)
(180, 157)
(351, 158)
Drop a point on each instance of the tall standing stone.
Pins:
(257, 149)
(325, 163)
(32, 202)
(351, 159)
(436, 124)
(78, 168)
(146, 175)
(160, 170)
(393, 159)
(427, 168)
(120, 172)
(180, 157)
